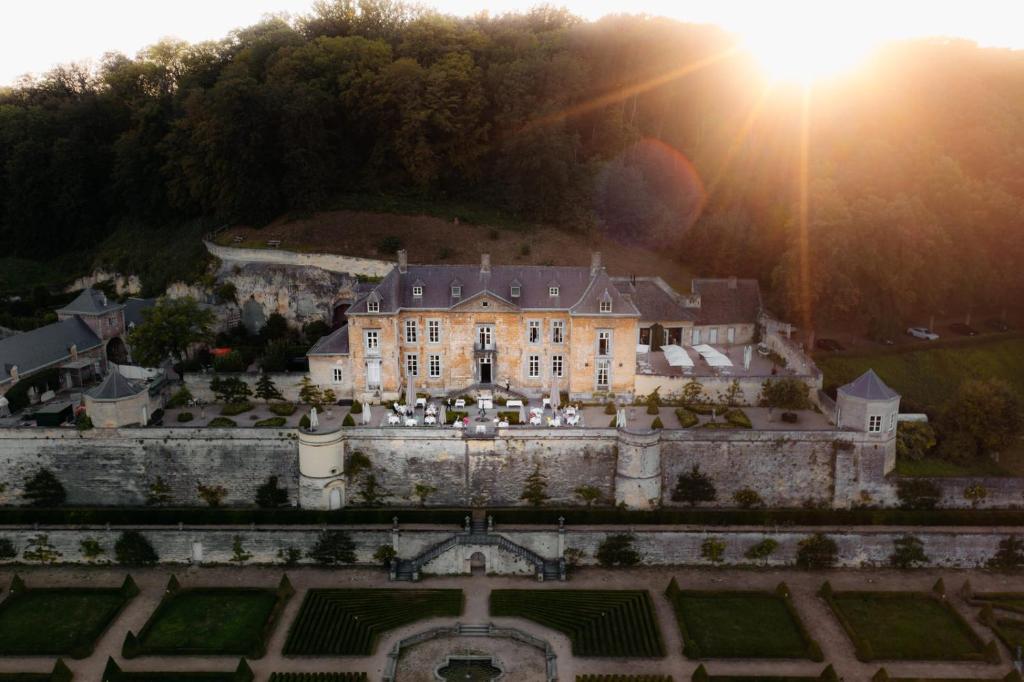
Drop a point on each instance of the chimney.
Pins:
(403, 261)
(485, 263)
(732, 282)
(595, 263)
(73, 352)
(13, 371)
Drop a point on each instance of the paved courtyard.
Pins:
(820, 622)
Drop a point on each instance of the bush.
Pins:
(975, 494)
(270, 423)
(787, 393)
(184, 417)
(269, 495)
(384, 554)
(917, 493)
(304, 422)
(746, 498)
(180, 398)
(333, 547)
(907, 551)
(512, 417)
(738, 418)
(656, 424)
(133, 549)
(348, 420)
(617, 550)
(762, 550)
(686, 417)
(1010, 554)
(83, 422)
(609, 408)
(694, 487)
(44, 490)
(212, 495)
(7, 550)
(817, 551)
(233, 409)
(230, 362)
(790, 417)
(357, 407)
(222, 423)
(283, 409)
(713, 549)
(914, 440)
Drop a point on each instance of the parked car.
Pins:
(828, 344)
(963, 329)
(997, 325)
(922, 333)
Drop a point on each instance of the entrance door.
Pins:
(478, 564)
(373, 374)
(731, 334)
(334, 499)
(485, 370)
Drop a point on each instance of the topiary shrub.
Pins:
(790, 417)
(656, 424)
(270, 422)
(609, 408)
(283, 409)
(233, 409)
(133, 549)
(304, 422)
(348, 420)
(357, 407)
(222, 423)
(686, 417)
(185, 417)
(738, 418)
(747, 498)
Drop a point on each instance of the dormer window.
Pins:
(606, 306)
(514, 291)
(456, 291)
(372, 306)
(417, 292)
(552, 291)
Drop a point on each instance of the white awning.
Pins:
(676, 356)
(713, 357)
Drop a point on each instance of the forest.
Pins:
(892, 191)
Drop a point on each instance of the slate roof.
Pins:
(579, 292)
(90, 302)
(721, 303)
(115, 387)
(335, 343)
(869, 386)
(39, 348)
(656, 300)
(133, 308)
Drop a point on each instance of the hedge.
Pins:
(113, 673)
(883, 676)
(206, 516)
(60, 673)
(701, 675)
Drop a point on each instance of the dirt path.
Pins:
(803, 585)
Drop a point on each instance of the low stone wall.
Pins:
(677, 546)
(288, 383)
(1000, 492)
(349, 264)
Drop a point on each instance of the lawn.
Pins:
(58, 621)
(348, 622)
(913, 626)
(733, 624)
(935, 467)
(210, 622)
(598, 622)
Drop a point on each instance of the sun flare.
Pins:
(802, 57)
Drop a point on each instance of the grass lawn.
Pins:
(905, 626)
(209, 622)
(740, 625)
(57, 622)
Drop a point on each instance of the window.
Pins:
(558, 331)
(603, 367)
(484, 337)
(111, 321)
(434, 366)
(604, 342)
(556, 365)
(533, 367)
(645, 336)
(412, 364)
(713, 335)
(456, 291)
(552, 291)
(410, 331)
(533, 331)
(417, 292)
(485, 304)
(874, 423)
(336, 375)
(606, 306)
(730, 334)
(515, 292)
(373, 306)
(433, 331)
(892, 421)
(696, 337)
(372, 338)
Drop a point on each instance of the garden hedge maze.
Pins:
(58, 621)
(347, 622)
(210, 621)
(599, 623)
(1002, 612)
(741, 624)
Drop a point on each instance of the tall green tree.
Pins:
(170, 328)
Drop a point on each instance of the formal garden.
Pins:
(599, 623)
(701, 675)
(114, 673)
(747, 624)
(210, 622)
(349, 622)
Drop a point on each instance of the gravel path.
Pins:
(803, 584)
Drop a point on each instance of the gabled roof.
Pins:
(90, 302)
(335, 343)
(133, 308)
(656, 300)
(868, 386)
(115, 387)
(45, 346)
(724, 301)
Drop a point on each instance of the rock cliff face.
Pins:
(301, 293)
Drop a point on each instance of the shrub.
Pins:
(83, 422)
(656, 423)
(185, 417)
(609, 408)
(44, 490)
(975, 493)
(746, 498)
(652, 408)
(512, 417)
(159, 492)
(357, 407)
(234, 409)
(787, 393)
(686, 417)
(914, 440)
(230, 362)
(7, 550)
(91, 549)
(694, 487)
(713, 549)
(133, 549)
(266, 390)
(212, 495)
(269, 495)
(238, 554)
(817, 551)
(535, 490)
(762, 550)
(384, 555)
(270, 422)
(918, 493)
(333, 547)
(348, 420)
(790, 417)
(422, 491)
(907, 551)
(180, 398)
(230, 389)
(1010, 554)
(289, 556)
(588, 494)
(283, 409)
(304, 422)
(222, 423)
(738, 418)
(617, 550)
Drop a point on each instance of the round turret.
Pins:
(321, 469)
(867, 405)
(638, 470)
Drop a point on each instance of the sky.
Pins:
(796, 36)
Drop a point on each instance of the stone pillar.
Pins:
(638, 470)
(321, 463)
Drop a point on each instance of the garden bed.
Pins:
(741, 624)
(210, 621)
(599, 623)
(62, 621)
(347, 622)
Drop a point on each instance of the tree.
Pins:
(333, 547)
(535, 490)
(170, 327)
(44, 490)
(384, 554)
(310, 393)
(787, 393)
(212, 495)
(266, 390)
(422, 491)
(1010, 553)
(713, 549)
(907, 551)
(269, 495)
(133, 549)
(762, 550)
(693, 392)
(588, 494)
(238, 554)
(373, 493)
(985, 414)
(694, 487)
(230, 390)
(817, 551)
(914, 440)
(617, 550)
